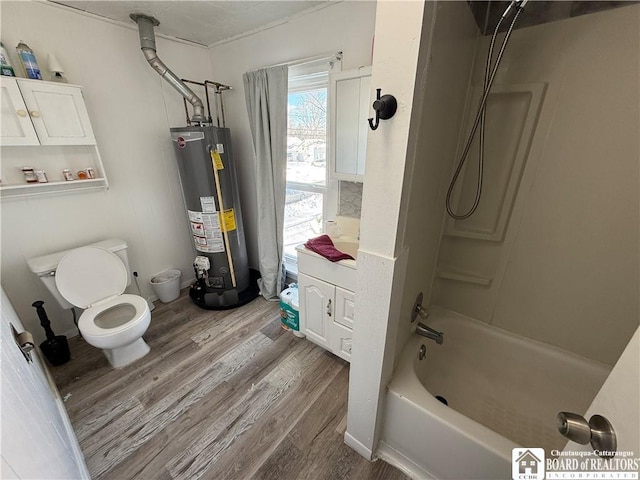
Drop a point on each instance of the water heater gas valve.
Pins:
(201, 265)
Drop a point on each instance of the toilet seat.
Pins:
(87, 323)
(88, 275)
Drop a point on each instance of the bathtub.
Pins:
(503, 392)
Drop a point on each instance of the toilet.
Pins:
(94, 278)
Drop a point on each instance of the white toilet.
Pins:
(94, 278)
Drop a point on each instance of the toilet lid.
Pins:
(87, 275)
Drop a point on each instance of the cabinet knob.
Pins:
(35, 113)
(21, 113)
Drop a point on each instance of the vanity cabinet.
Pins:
(350, 107)
(326, 314)
(45, 125)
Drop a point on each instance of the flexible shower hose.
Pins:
(480, 121)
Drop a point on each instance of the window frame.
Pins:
(304, 77)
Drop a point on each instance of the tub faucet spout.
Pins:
(429, 332)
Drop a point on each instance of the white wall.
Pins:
(566, 272)
(444, 79)
(382, 257)
(347, 26)
(131, 109)
(407, 158)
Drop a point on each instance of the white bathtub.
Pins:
(503, 391)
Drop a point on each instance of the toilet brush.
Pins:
(149, 302)
(55, 348)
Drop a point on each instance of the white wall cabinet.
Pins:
(44, 113)
(46, 126)
(15, 125)
(326, 314)
(350, 106)
(58, 112)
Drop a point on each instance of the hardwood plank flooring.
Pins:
(222, 395)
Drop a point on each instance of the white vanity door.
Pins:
(316, 308)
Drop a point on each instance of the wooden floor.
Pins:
(221, 395)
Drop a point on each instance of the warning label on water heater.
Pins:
(208, 204)
(206, 232)
(229, 220)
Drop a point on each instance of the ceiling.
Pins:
(203, 22)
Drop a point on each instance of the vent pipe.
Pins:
(148, 46)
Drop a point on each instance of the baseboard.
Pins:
(187, 283)
(72, 332)
(357, 446)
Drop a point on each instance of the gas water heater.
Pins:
(210, 188)
(209, 184)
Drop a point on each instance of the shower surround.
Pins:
(551, 255)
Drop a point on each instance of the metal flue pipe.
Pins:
(148, 46)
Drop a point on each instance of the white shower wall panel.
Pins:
(565, 268)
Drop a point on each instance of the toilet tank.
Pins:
(45, 266)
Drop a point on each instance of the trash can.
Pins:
(166, 285)
(289, 310)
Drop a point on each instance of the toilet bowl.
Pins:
(94, 279)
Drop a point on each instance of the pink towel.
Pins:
(323, 245)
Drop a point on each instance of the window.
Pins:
(306, 201)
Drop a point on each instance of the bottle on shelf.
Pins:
(29, 62)
(5, 65)
(56, 69)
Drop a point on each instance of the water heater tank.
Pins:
(209, 185)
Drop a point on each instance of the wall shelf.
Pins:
(27, 189)
(457, 275)
(46, 126)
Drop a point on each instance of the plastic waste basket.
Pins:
(166, 285)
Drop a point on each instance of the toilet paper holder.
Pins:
(598, 431)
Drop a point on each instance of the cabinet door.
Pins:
(15, 125)
(365, 112)
(341, 341)
(58, 113)
(316, 308)
(349, 94)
